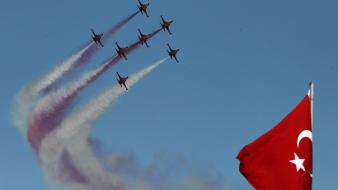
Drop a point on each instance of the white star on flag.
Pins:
(298, 162)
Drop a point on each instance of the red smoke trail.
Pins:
(119, 25)
(116, 59)
(46, 117)
(44, 120)
(83, 56)
(70, 173)
(154, 33)
(87, 55)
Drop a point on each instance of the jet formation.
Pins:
(143, 39)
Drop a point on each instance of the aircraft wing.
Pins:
(125, 57)
(124, 84)
(176, 59)
(169, 30)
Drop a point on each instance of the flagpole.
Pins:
(311, 94)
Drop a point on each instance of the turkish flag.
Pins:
(281, 159)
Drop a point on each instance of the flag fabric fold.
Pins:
(281, 159)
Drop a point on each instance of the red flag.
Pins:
(281, 159)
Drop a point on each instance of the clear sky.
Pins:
(244, 65)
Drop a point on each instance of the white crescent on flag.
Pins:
(304, 134)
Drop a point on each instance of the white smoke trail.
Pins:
(25, 99)
(20, 112)
(95, 108)
(72, 135)
(54, 75)
(49, 102)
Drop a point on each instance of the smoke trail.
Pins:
(80, 58)
(73, 133)
(47, 80)
(20, 112)
(88, 114)
(25, 100)
(88, 55)
(51, 108)
(119, 25)
(123, 172)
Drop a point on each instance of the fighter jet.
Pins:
(97, 38)
(143, 7)
(121, 51)
(122, 80)
(143, 38)
(166, 25)
(172, 53)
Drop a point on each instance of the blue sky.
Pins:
(244, 65)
